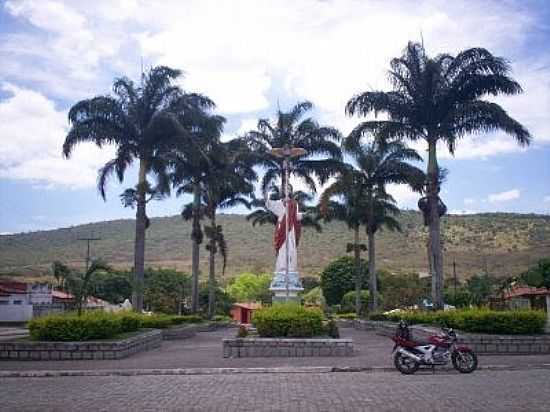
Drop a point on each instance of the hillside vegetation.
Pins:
(502, 244)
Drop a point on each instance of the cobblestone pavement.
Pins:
(480, 391)
(205, 351)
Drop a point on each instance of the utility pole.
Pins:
(454, 274)
(88, 241)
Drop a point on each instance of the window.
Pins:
(17, 302)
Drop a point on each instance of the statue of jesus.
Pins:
(281, 237)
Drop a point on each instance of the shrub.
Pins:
(348, 301)
(515, 322)
(179, 319)
(156, 321)
(332, 329)
(290, 320)
(350, 315)
(242, 332)
(314, 297)
(222, 318)
(378, 316)
(129, 321)
(70, 327)
(338, 278)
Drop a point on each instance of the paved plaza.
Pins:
(205, 351)
(152, 385)
(359, 391)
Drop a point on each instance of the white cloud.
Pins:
(546, 199)
(463, 212)
(469, 201)
(504, 196)
(405, 197)
(31, 138)
(247, 53)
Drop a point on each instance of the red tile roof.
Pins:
(58, 295)
(250, 306)
(13, 287)
(526, 291)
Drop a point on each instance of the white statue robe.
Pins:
(278, 208)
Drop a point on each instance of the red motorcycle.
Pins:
(409, 355)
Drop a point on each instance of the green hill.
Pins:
(502, 244)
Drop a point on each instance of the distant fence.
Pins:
(46, 309)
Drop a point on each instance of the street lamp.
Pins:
(287, 153)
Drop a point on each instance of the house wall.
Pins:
(15, 313)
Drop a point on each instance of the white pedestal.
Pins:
(283, 293)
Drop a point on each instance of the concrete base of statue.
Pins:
(279, 288)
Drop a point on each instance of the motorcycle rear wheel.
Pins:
(464, 362)
(404, 364)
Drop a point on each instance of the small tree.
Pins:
(80, 285)
(338, 278)
(248, 287)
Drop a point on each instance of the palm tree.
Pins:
(321, 143)
(140, 122)
(81, 284)
(349, 208)
(190, 166)
(439, 99)
(263, 215)
(226, 183)
(366, 201)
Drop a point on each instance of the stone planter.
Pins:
(286, 347)
(89, 350)
(480, 343)
(180, 332)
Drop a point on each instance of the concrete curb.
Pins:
(233, 371)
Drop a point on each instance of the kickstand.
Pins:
(433, 369)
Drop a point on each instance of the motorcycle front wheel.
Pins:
(464, 362)
(404, 364)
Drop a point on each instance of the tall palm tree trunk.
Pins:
(434, 226)
(139, 245)
(212, 271)
(357, 261)
(373, 286)
(195, 252)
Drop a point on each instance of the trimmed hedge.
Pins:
(289, 320)
(88, 326)
(70, 327)
(515, 322)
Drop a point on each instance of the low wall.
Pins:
(92, 350)
(180, 332)
(480, 343)
(286, 347)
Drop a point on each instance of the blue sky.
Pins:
(250, 56)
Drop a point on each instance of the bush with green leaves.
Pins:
(348, 301)
(332, 329)
(511, 322)
(289, 320)
(71, 327)
(100, 325)
(347, 316)
(338, 278)
(314, 298)
(249, 287)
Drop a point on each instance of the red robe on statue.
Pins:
(279, 236)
